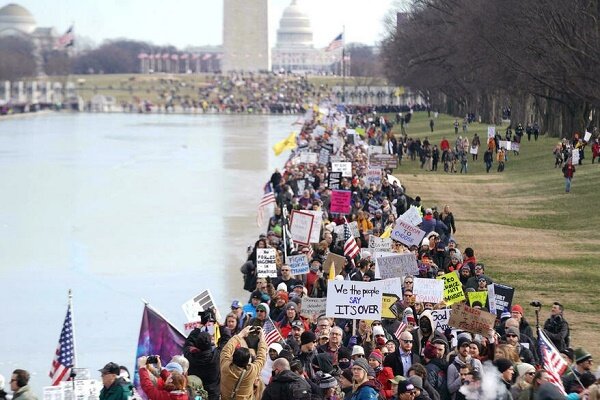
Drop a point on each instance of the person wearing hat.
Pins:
(382, 374)
(286, 384)
(249, 309)
(513, 337)
(291, 315)
(262, 314)
(329, 386)
(277, 305)
(174, 383)
(307, 352)
(362, 387)
(464, 273)
(420, 393)
(507, 370)
(517, 313)
(406, 390)
(525, 378)
(462, 360)
(204, 360)
(583, 363)
(357, 352)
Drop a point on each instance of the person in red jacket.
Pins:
(174, 387)
(382, 374)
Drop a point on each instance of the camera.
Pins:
(255, 330)
(207, 316)
(152, 360)
(535, 303)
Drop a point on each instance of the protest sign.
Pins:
(491, 131)
(587, 136)
(309, 158)
(440, 319)
(334, 180)
(374, 149)
(301, 183)
(505, 144)
(453, 291)
(53, 393)
(380, 244)
(323, 156)
(384, 161)
(388, 305)
(265, 263)
(491, 299)
(313, 306)
(339, 230)
(396, 265)
(503, 296)
(344, 167)
(392, 179)
(335, 259)
(316, 226)
(575, 156)
(301, 224)
(373, 205)
(478, 297)
(319, 130)
(298, 264)
(428, 290)
(474, 150)
(471, 319)
(340, 201)
(515, 146)
(373, 176)
(354, 300)
(411, 216)
(351, 138)
(202, 302)
(407, 234)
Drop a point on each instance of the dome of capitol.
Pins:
(15, 18)
(294, 28)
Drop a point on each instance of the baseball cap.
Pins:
(111, 368)
(236, 304)
(405, 387)
(297, 324)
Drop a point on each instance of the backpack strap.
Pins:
(238, 383)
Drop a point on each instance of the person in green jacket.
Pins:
(115, 387)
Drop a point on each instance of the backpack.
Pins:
(299, 389)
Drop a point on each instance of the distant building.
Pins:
(246, 35)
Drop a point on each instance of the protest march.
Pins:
(354, 290)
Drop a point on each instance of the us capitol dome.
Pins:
(15, 19)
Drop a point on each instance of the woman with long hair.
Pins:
(362, 387)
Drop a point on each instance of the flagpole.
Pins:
(146, 304)
(344, 65)
(70, 305)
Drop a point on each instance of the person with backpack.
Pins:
(286, 384)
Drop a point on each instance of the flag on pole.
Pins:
(65, 352)
(207, 56)
(288, 143)
(157, 336)
(552, 361)
(272, 334)
(66, 40)
(400, 329)
(336, 43)
(268, 198)
(350, 247)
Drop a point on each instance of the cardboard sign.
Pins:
(440, 319)
(298, 264)
(503, 297)
(491, 131)
(334, 180)
(354, 300)
(265, 263)
(373, 176)
(301, 225)
(407, 234)
(478, 297)
(397, 265)
(313, 306)
(411, 216)
(384, 161)
(380, 244)
(335, 259)
(202, 302)
(471, 319)
(428, 290)
(344, 167)
(453, 291)
(340, 201)
(309, 158)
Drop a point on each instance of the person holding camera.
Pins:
(174, 387)
(239, 370)
(204, 359)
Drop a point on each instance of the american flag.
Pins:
(400, 329)
(65, 353)
(207, 56)
(553, 363)
(350, 247)
(66, 40)
(268, 198)
(336, 43)
(272, 335)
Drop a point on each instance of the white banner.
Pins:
(379, 244)
(354, 300)
(412, 216)
(407, 234)
(301, 225)
(396, 265)
(202, 302)
(313, 306)
(298, 264)
(428, 290)
(440, 319)
(344, 167)
(265, 263)
(309, 158)
(373, 176)
(315, 234)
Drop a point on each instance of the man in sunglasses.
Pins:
(403, 358)
(512, 337)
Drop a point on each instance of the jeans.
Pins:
(568, 184)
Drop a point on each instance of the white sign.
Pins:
(392, 286)
(319, 130)
(407, 234)
(202, 302)
(428, 290)
(313, 306)
(505, 144)
(53, 393)
(380, 244)
(309, 158)
(492, 298)
(301, 224)
(373, 176)
(575, 156)
(315, 234)
(491, 131)
(587, 136)
(396, 266)
(411, 216)
(474, 150)
(354, 300)
(339, 230)
(344, 167)
(265, 263)
(440, 319)
(374, 150)
(298, 264)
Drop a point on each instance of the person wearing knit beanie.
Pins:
(361, 363)
(507, 370)
(377, 357)
(430, 351)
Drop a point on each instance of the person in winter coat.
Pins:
(382, 374)
(286, 385)
(19, 384)
(204, 360)
(362, 387)
(462, 359)
(436, 367)
(238, 371)
(424, 333)
(556, 328)
(114, 387)
(404, 357)
(568, 172)
(173, 389)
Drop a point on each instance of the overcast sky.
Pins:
(199, 22)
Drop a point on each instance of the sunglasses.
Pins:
(511, 335)
(530, 373)
(406, 341)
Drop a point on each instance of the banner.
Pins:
(411, 216)
(334, 180)
(309, 158)
(453, 291)
(383, 161)
(265, 263)
(335, 259)
(344, 167)
(397, 265)
(301, 224)
(491, 131)
(428, 290)
(440, 319)
(503, 297)
(407, 234)
(478, 297)
(471, 319)
(379, 244)
(313, 306)
(354, 300)
(202, 302)
(298, 264)
(373, 176)
(340, 201)
(474, 150)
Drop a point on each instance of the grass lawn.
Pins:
(522, 225)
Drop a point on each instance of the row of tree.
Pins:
(540, 58)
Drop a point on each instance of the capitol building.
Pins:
(294, 50)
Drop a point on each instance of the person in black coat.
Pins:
(204, 359)
(286, 385)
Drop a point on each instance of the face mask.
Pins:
(344, 364)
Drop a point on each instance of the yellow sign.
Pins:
(453, 292)
(387, 301)
(400, 91)
(479, 297)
